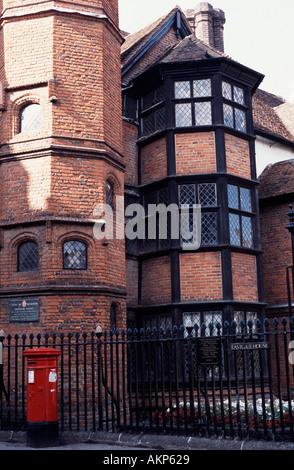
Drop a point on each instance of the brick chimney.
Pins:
(208, 24)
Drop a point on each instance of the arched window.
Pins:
(74, 255)
(113, 317)
(109, 194)
(28, 257)
(30, 117)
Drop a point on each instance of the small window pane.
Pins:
(247, 232)
(240, 120)
(202, 88)
(75, 255)
(235, 238)
(239, 95)
(182, 90)
(233, 197)
(203, 113)
(207, 194)
(28, 257)
(228, 116)
(187, 194)
(31, 118)
(148, 126)
(208, 228)
(227, 91)
(183, 115)
(245, 199)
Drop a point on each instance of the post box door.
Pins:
(36, 407)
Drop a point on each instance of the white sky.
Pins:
(258, 34)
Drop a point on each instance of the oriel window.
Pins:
(74, 255)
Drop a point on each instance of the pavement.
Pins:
(149, 443)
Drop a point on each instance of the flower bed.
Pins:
(263, 415)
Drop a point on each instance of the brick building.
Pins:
(89, 113)
(61, 156)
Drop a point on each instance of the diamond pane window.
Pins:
(183, 115)
(203, 113)
(208, 228)
(212, 317)
(30, 118)
(228, 116)
(202, 88)
(182, 90)
(238, 95)
(187, 195)
(207, 194)
(148, 124)
(247, 240)
(235, 235)
(74, 255)
(240, 120)
(227, 91)
(160, 119)
(233, 196)
(28, 257)
(245, 199)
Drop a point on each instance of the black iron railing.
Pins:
(228, 380)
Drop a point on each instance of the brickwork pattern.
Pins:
(244, 277)
(195, 153)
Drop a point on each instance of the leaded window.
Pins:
(192, 319)
(153, 111)
(75, 255)
(157, 227)
(204, 194)
(30, 118)
(109, 194)
(193, 103)
(240, 216)
(28, 257)
(113, 317)
(234, 110)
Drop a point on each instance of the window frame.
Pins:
(235, 105)
(20, 119)
(208, 209)
(19, 246)
(74, 240)
(152, 110)
(241, 213)
(193, 100)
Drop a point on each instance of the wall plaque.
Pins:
(209, 351)
(24, 310)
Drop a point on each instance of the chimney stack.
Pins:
(208, 24)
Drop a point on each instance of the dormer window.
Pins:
(193, 103)
(234, 107)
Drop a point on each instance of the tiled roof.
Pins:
(277, 179)
(190, 48)
(265, 117)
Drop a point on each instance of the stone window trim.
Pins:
(17, 107)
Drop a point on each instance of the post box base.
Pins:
(44, 434)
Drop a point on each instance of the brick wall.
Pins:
(156, 281)
(244, 277)
(154, 161)
(237, 156)
(195, 153)
(201, 277)
(277, 253)
(130, 134)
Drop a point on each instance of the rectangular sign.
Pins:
(209, 351)
(250, 346)
(24, 310)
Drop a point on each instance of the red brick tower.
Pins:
(60, 156)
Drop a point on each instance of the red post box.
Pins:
(42, 397)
